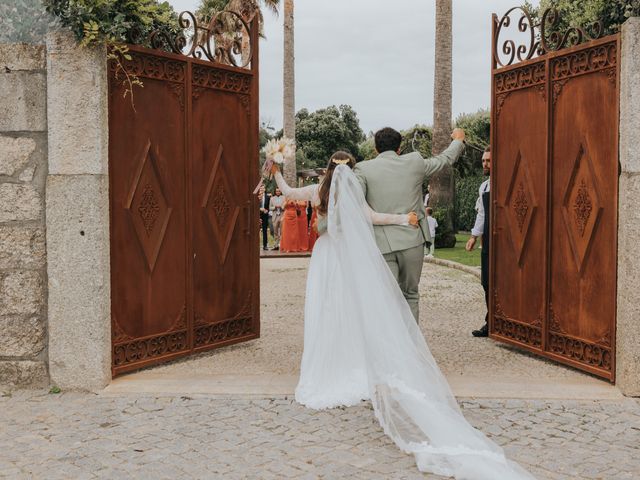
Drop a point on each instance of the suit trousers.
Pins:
(484, 265)
(265, 219)
(406, 266)
(276, 221)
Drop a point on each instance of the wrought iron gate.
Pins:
(183, 156)
(555, 193)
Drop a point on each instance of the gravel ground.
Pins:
(83, 436)
(452, 304)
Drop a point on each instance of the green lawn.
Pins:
(459, 254)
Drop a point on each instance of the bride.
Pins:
(361, 341)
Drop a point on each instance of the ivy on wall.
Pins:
(113, 21)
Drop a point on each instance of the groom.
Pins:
(392, 183)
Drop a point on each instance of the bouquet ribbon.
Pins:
(266, 172)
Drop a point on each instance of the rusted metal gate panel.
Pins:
(224, 224)
(554, 201)
(182, 166)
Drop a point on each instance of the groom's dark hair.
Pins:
(388, 139)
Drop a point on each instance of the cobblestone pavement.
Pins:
(71, 436)
(451, 305)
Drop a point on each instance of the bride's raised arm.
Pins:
(307, 193)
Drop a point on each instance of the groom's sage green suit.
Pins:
(392, 183)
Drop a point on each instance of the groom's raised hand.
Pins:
(458, 134)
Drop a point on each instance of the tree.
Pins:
(289, 82)
(442, 186)
(477, 127)
(247, 9)
(583, 13)
(368, 148)
(321, 133)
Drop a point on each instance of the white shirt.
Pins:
(478, 228)
(276, 202)
(426, 200)
(433, 224)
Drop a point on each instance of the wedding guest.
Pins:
(309, 214)
(482, 229)
(276, 206)
(313, 229)
(433, 225)
(264, 198)
(303, 227)
(426, 197)
(290, 229)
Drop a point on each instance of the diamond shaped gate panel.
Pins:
(520, 215)
(183, 157)
(554, 191)
(222, 216)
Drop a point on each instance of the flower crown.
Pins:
(340, 162)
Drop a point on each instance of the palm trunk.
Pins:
(289, 100)
(442, 183)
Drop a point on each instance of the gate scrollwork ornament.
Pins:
(537, 39)
(225, 39)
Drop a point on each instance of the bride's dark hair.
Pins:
(336, 159)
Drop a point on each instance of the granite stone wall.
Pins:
(77, 206)
(628, 322)
(23, 173)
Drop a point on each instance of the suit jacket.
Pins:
(392, 183)
(265, 216)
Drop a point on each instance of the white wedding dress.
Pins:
(361, 342)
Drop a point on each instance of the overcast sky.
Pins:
(377, 57)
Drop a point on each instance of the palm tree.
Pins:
(442, 187)
(248, 9)
(289, 100)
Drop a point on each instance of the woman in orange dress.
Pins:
(303, 227)
(290, 229)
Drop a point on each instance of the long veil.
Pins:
(410, 396)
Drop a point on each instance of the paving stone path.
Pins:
(74, 435)
(68, 436)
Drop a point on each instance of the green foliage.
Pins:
(477, 127)
(465, 201)
(368, 148)
(459, 254)
(208, 8)
(247, 8)
(323, 132)
(445, 236)
(113, 21)
(55, 390)
(583, 13)
(417, 139)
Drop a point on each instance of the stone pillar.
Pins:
(23, 171)
(628, 324)
(78, 215)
